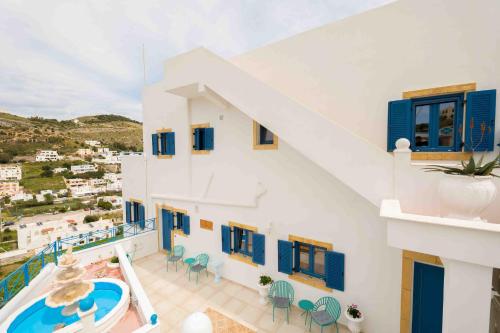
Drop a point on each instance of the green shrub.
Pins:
(114, 260)
(90, 218)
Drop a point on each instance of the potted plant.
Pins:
(114, 262)
(265, 282)
(467, 190)
(354, 318)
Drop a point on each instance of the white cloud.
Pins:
(69, 58)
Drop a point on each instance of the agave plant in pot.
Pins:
(265, 282)
(467, 190)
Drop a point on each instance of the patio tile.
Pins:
(206, 291)
(251, 314)
(220, 298)
(266, 323)
(234, 305)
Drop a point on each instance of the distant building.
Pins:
(10, 172)
(59, 170)
(9, 188)
(84, 152)
(92, 143)
(115, 200)
(72, 182)
(21, 196)
(40, 234)
(112, 177)
(103, 150)
(77, 169)
(47, 155)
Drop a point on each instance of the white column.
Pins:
(467, 297)
(402, 161)
(87, 320)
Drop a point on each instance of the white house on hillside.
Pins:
(283, 161)
(47, 156)
(10, 172)
(78, 169)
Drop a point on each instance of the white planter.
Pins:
(113, 265)
(465, 197)
(354, 324)
(263, 293)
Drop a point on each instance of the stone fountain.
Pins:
(71, 286)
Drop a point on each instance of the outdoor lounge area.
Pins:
(175, 297)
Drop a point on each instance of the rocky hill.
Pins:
(21, 137)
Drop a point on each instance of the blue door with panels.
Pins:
(428, 283)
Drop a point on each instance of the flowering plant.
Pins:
(353, 311)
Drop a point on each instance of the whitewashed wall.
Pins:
(300, 199)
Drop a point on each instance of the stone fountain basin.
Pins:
(37, 314)
(69, 275)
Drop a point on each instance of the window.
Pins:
(202, 138)
(311, 262)
(134, 212)
(263, 138)
(163, 143)
(437, 123)
(243, 242)
(178, 220)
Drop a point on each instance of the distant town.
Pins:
(55, 196)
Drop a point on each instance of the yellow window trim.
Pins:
(441, 156)
(163, 130)
(136, 201)
(409, 258)
(159, 207)
(327, 246)
(193, 151)
(444, 90)
(309, 280)
(233, 224)
(244, 259)
(160, 156)
(256, 145)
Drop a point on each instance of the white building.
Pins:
(60, 170)
(10, 172)
(93, 143)
(37, 235)
(47, 156)
(112, 177)
(84, 152)
(299, 152)
(115, 200)
(10, 188)
(21, 196)
(78, 169)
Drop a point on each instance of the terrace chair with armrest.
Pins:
(326, 312)
(176, 255)
(281, 295)
(199, 265)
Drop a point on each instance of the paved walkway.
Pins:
(174, 298)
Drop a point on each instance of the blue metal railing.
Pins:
(23, 275)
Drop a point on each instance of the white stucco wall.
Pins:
(300, 198)
(348, 70)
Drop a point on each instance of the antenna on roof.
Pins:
(144, 63)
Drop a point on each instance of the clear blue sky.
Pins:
(66, 58)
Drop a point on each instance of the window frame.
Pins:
(239, 255)
(458, 123)
(257, 144)
(309, 271)
(245, 239)
(198, 151)
(161, 133)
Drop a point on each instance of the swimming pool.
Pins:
(110, 295)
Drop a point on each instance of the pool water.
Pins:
(40, 318)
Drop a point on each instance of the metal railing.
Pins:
(23, 275)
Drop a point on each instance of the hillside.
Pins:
(21, 137)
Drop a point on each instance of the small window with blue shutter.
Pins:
(244, 243)
(164, 143)
(436, 123)
(202, 138)
(263, 138)
(311, 262)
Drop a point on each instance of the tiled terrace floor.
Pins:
(174, 297)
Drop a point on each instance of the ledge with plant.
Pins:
(354, 318)
(265, 282)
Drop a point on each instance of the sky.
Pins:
(69, 58)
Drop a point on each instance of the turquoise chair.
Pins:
(326, 312)
(176, 255)
(200, 264)
(281, 295)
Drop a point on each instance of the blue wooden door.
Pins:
(428, 281)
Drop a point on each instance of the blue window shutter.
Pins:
(170, 220)
(186, 227)
(285, 256)
(209, 138)
(236, 241)
(480, 111)
(399, 122)
(163, 143)
(334, 270)
(296, 265)
(259, 248)
(226, 239)
(128, 210)
(166, 231)
(170, 143)
(197, 139)
(154, 138)
(142, 216)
